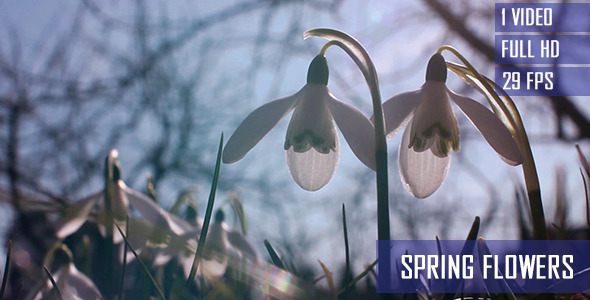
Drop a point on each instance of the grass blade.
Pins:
(207, 220)
(346, 251)
(440, 253)
(467, 248)
(360, 276)
(474, 231)
(6, 270)
(276, 260)
(239, 210)
(493, 284)
(143, 265)
(587, 196)
(330, 280)
(53, 282)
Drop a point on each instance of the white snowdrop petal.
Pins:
(242, 244)
(119, 201)
(141, 230)
(154, 213)
(76, 215)
(256, 126)
(493, 130)
(312, 125)
(399, 109)
(421, 173)
(81, 286)
(215, 256)
(435, 116)
(356, 129)
(313, 170)
(72, 285)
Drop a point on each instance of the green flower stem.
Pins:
(48, 258)
(360, 56)
(506, 110)
(109, 253)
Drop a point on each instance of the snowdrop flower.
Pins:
(72, 283)
(432, 130)
(312, 146)
(163, 224)
(223, 248)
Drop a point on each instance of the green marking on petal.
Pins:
(317, 141)
(436, 137)
(301, 137)
(307, 139)
(443, 147)
(300, 148)
(455, 145)
(418, 143)
(441, 130)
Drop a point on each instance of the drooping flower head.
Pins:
(160, 223)
(312, 145)
(425, 149)
(224, 248)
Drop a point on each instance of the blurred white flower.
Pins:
(223, 248)
(424, 155)
(162, 224)
(72, 284)
(312, 146)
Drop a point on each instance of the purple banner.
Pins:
(542, 17)
(543, 81)
(483, 266)
(542, 49)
